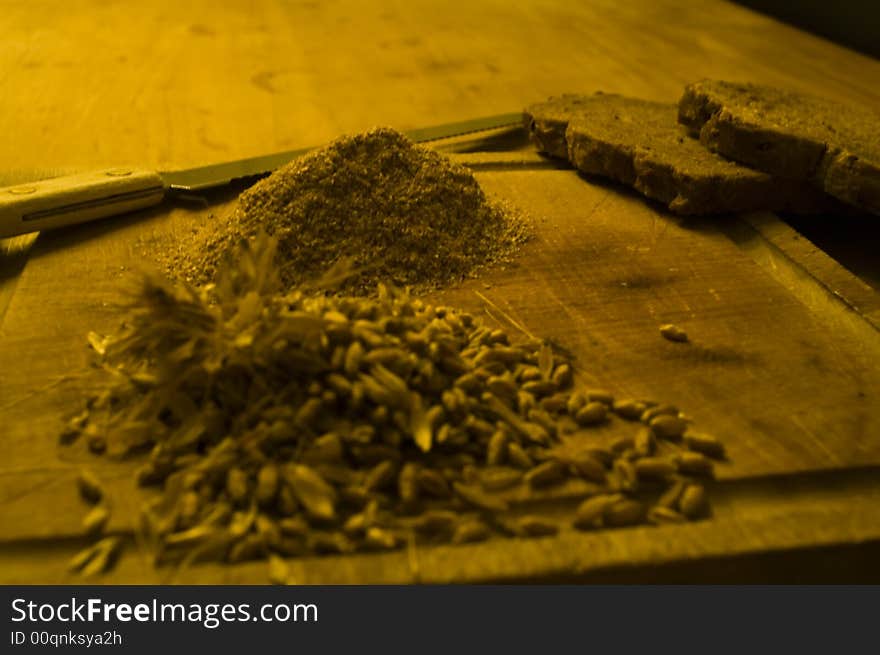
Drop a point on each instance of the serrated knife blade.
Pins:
(68, 200)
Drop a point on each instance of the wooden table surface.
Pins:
(784, 360)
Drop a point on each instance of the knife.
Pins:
(72, 199)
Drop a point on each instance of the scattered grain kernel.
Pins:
(590, 513)
(705, 444)
(629, 409)
(279, 571)
(96, 519)
(592, 413)
(655, 467)
(668, 427)
(518, 456)
(695, 464)
(600, 396)
(625, 512)
(658, 410)
(660, 514)
(534, 526)
(548, 473)
(644, 442)
(90, 488)
(692, 502)
(470, 532)
(673, 333)
(588, 466)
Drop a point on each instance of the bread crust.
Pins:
(546, 122)
(833, 147)
(638, 143)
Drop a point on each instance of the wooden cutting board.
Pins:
(781, 365)
(783, 360)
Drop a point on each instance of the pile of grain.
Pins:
(402, 213)
(299, 423)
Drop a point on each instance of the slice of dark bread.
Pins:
(639, 143)
(546, 122)
(833, 146)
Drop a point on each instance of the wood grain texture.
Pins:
(188, 83)
(779, 367)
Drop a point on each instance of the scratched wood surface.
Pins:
(187, 83)
(603, 271)
(784, 352)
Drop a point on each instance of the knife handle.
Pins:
(72, 199)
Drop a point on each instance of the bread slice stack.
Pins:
(724, 148)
